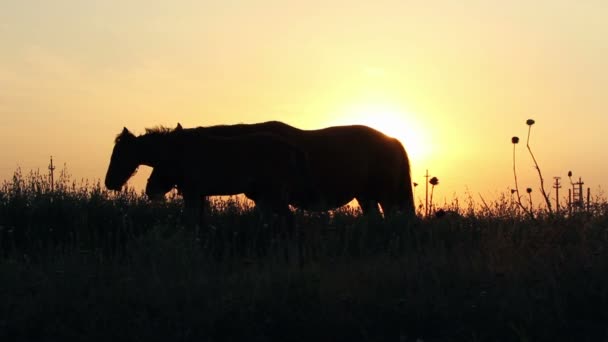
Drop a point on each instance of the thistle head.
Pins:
(529, 190)
(529, 122)
(434, 181)
(515, 140)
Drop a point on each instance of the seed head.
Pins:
(569, 173)
(515, 140)
(434, 181)
(529, 190)
(530, 122)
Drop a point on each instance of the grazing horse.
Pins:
(346, 162)
(262, 166)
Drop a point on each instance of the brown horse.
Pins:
(263, 166)
(346, 162)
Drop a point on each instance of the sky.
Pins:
(452, 80)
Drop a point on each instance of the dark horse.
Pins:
(346, 162)
(263, 166)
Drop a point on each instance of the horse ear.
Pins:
(126, 134)
(179, 127)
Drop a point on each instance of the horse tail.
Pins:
(405, 194)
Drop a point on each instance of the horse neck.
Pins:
(153, 149)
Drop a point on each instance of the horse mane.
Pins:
(159, 130)
(242, 124)
(153, 131)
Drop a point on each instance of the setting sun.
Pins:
(392, 121)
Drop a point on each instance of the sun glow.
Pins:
(392, 121)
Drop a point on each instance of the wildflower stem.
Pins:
(521, 205)
(542, 181)
(431, 203)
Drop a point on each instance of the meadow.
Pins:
(80, 263)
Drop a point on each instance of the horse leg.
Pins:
(194, 214)
(277, 223)
(392, 206)
(192, 206)
(368, 206)
(261, 237)
(287, 229)
(373, 218)
(389, 207)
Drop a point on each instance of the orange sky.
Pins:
(454, 80)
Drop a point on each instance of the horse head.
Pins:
(160, 182)
(124, 161)
(161, 179)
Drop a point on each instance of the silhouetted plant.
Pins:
(433, 181)
(515, 141)
(415, 185)
(571, 182)
(529, 191)
(531, 122)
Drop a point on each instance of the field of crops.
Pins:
(80, 263)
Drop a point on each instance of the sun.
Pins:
(392, 121)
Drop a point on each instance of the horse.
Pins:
(262, 166)
(346, 162)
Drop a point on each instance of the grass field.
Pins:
(79, 263)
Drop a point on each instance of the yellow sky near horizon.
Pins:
(453, 80)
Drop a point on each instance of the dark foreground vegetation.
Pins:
(79, 263)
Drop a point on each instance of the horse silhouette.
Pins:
(346, 162)
(264, 167)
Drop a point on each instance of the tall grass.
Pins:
(81, 263)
